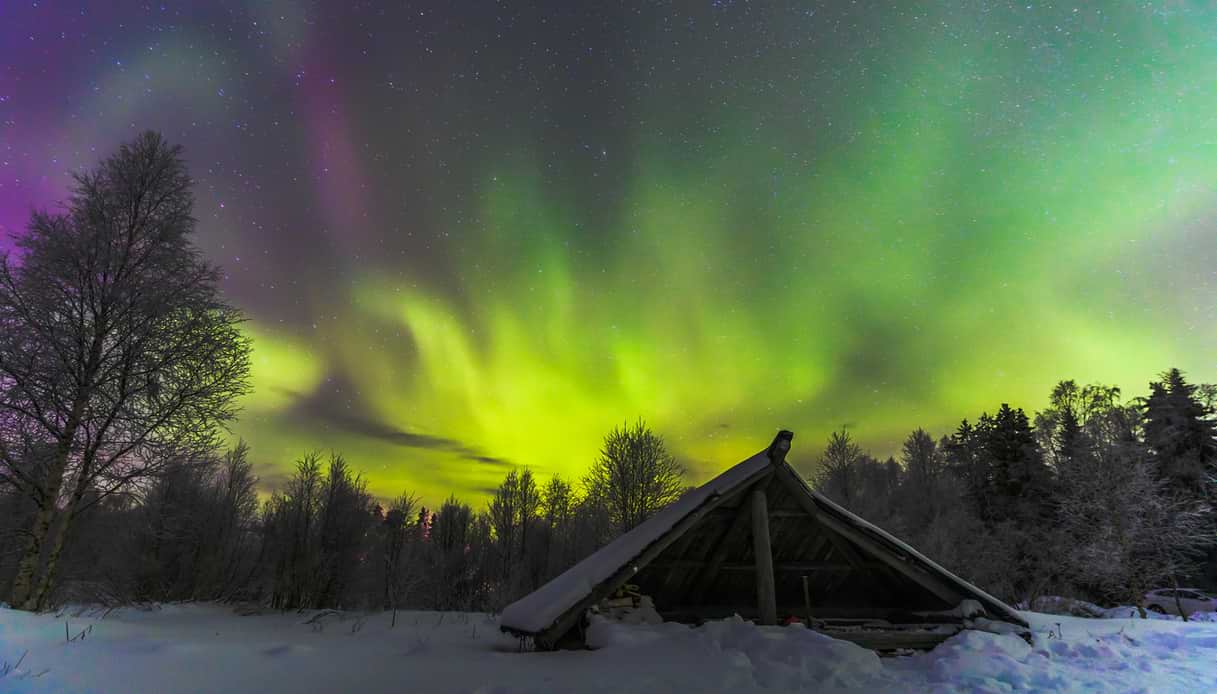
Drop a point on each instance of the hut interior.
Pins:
(758, 542)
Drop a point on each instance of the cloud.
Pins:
(358, 424)
(331, 409)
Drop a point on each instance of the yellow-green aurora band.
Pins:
(483, 240)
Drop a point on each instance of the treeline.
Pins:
(196, 531)
(1095, 498)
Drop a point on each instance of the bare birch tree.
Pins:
(635, 475)
(116, 352)
(838, 472)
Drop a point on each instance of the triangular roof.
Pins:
(684, 554)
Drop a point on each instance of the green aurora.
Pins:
(725, 220)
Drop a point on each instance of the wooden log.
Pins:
(806, 600)
(778, 566)
(891, 640)
(724, 513)
(802, 567)
(766, 592)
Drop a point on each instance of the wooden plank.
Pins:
(806, 600)
(874, 570)
(550, 637)
(816, 546)
(804, 567)
(723, 547)
(931, 583)
(674, 581)
(778, 566)
(723, 513)
(843, 548)
(890, 640)
(766, 592)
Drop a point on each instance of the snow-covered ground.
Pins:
(207, 648)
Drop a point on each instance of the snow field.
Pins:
(208, 648)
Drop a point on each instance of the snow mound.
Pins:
(1055, 604)
(744, 657)
(1130, 612)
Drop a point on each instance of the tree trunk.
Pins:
(27, 570)
(37, 598)
(32, 555)
(1178, 602)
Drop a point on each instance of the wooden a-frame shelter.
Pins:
(759, 542)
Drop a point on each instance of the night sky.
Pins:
(471, 235)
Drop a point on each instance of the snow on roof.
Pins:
(539, 609)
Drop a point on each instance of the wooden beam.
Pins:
(766, 593)
(814, 547)
(721, 549)
(781, 566)
(723, 513)
(894, 639)
(552, 635)
(842, 547)
(931, 583)
(805, 567)
(876, 571)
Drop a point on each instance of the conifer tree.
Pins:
(1181, 435)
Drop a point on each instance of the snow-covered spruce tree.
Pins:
(1010, 489)
(1126, 528)
(965, 458)
(116, 351)
(923, 468)
(1181, 435)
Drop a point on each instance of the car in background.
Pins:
(1170, 600)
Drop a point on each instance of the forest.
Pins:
(1098, 499)
(121, 370)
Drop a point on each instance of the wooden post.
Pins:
(766, 594)
(807, 601)
(780, 447)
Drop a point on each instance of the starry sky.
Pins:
(474, 235)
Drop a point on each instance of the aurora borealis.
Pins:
(471, 235)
